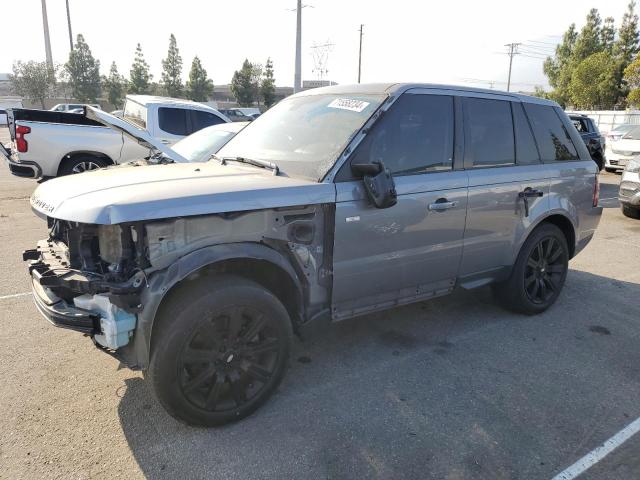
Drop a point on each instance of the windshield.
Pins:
(304, 135)
(199, 146)
(622, 128)
(633, 134)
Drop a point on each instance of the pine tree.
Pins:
(243, 84)
(140, 76)
(608, 34)
(589, 40)
(268, 85)
(115, 85)
(626, 48)
(199, 86)
(83, 72)
(558, 69)
(172, 70)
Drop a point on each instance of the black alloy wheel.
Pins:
(228, 359)
(545, 270)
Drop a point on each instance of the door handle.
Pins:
(526, 194)
(441, 205)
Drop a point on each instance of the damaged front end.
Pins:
(88, 278)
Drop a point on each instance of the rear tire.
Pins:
(539, 273)
(81, 163)
(629, 211)
(219, 350)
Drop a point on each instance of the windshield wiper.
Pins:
(250, 161)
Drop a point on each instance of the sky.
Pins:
(457, 42)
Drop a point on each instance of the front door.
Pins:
(385, 257)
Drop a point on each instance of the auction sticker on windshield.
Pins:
(349, 104)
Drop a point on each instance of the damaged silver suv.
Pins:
(337, 202)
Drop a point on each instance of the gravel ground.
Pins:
(455, 388)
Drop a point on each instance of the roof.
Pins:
(154, 99)
(398, 88)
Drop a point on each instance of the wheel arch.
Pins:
(69, 157)
(264, 265)
(560, 220)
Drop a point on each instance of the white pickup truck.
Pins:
(50, 144)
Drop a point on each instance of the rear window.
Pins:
(135, 113)
(173, 120)
(488, 132)
(553, 138)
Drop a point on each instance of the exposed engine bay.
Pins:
(105, 280)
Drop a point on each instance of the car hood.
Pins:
(136, 134)
(130, 193)
(626, 145)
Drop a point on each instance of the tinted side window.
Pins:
(488, 132)
(553, 138)
(414, 136)
(200, 119)
(173, 120)
(526, 149)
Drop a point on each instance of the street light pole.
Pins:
(69, 23)
(297, 79)
(360, 54)
(47, 41)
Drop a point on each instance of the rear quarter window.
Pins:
(201, 119)
(554, 140)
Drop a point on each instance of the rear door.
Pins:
(384, 257)
(503, 162)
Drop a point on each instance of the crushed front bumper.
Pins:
(59, 312)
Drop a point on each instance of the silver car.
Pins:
(335, 203)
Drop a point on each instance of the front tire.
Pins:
(629, 211)
(220, 350)
(539, 273)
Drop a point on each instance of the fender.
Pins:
(136, 353)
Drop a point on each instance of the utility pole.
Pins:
(297, 79)
(47, 41)
(513, 50)
(360, 54)
(69, 23)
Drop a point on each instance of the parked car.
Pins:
(616, 133)
(68, 107)
(337, 202)
(591, 136)
(622, 151)
(50, 144)
(237, 115)
(200, 146)
(629, 192)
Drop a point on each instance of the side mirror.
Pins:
(378, 182)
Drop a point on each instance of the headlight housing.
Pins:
(633, 166)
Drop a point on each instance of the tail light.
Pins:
(21, 142)
(596, 191)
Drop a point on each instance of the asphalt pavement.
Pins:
(454, 388)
